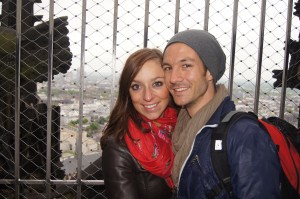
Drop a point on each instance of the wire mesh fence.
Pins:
(50, 130)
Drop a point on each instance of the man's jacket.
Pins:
(252, 157)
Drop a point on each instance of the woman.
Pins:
(137, 154)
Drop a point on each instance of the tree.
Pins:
(102, 120)
(93, 128)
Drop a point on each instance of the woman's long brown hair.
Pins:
(123, 110)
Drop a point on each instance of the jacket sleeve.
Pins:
(119, 175)
(254, 162)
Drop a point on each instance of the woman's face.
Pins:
(148, 91)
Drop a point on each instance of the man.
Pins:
(193, 62)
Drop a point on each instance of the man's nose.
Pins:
(175, 76)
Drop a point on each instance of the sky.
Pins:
(99, 35)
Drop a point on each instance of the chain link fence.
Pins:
(50, 130)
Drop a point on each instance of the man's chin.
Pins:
(180, 102)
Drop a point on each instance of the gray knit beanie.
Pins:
(207, 48)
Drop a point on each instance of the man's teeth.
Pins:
(180, 89)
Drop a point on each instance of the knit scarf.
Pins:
(187, 128)
(153, 150)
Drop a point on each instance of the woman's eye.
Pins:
(135, 87)
(158, 84)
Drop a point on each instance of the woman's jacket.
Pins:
(252, 157)
(124, 178)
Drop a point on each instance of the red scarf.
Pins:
(153, 150)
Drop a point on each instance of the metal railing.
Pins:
(50, 130)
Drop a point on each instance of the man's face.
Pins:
(187, 79)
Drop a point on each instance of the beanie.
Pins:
(207, 48)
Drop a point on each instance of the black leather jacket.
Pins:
(125, 179)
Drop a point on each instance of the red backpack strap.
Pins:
(288, 155)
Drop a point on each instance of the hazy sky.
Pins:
(130, 25)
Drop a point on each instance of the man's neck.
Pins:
(193, 108)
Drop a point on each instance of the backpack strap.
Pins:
(219, 152)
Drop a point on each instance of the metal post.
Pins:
(206, 15)
(17, 98)
(260, 52)
(146, 23)
(114, 54)
(177, 9)
(81, 98)
(233, 45)
(286, 58)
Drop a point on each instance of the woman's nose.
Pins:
(148, 94)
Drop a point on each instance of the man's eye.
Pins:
(158, 84)
(135, 87)
(166, 68)
(186, 65)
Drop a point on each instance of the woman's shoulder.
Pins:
(111, 143)
(119, 151)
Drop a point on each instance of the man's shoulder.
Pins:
(245, 124)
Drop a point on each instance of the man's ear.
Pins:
(209, 77)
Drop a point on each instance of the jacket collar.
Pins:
(225, 107)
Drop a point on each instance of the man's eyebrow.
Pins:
(186, 59)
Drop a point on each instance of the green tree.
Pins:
(76, 122)
(102, 120)
(92, 128)
(73, 122)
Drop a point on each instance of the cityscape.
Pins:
(97, 103)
